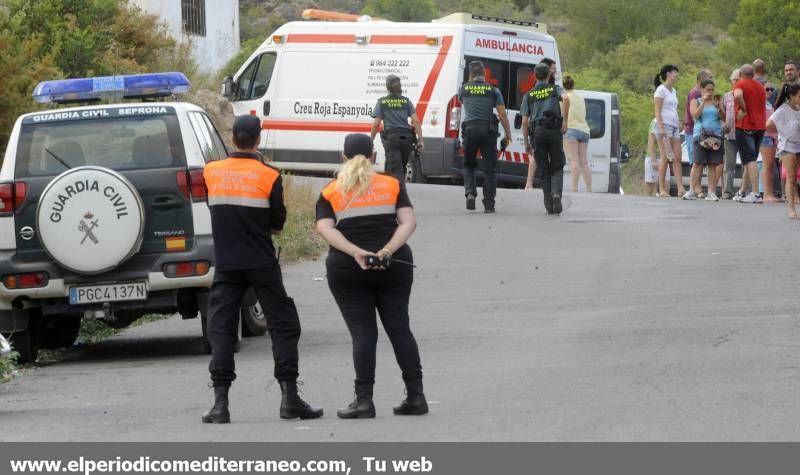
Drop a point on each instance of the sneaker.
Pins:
(701, 195)
(712, 197)
(727, 195)
(738, 196)
(752, 198)
(470, 202)
(689, 195)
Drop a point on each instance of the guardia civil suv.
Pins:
(103, 211)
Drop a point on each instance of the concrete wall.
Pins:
(221, 42)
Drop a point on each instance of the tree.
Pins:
(406, 10)
(775, 41)
(53, 39)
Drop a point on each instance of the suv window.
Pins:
(596, 117)
(254, 81)
(128, 143)
(210, 144)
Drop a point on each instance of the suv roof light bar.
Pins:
(65, 91)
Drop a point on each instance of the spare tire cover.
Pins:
(90, 219)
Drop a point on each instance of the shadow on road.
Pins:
(137, 348)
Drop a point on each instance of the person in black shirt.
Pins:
(365, 215)
(245, 197)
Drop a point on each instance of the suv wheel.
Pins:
(26, 343)
(202, 303)
(60, 332)
(254, 323)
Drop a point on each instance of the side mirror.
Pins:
(518, 121)
(624, 153)
(228, 87)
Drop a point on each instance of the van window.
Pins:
(596, 117)
(254, 81)
(513, 80)
(523, 80)
(496, 73)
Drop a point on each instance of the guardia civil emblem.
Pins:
(88, 228)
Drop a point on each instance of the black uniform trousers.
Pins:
(283, 323)
(358, 293)
(548, 151)
(479, 136)
(398, 144)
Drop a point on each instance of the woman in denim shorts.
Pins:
(667, 128)
(576, 139)
(708, 116)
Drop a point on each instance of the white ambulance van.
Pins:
(314, 82)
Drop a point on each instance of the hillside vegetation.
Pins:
(611, 45)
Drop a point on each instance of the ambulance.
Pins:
(314, 82)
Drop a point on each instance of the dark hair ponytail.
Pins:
(662, 76)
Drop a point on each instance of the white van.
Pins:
(314, 82)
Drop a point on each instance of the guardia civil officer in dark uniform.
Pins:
(480, 132)
(245, 197)
(545, 112)
(398, 138)
(363, 214)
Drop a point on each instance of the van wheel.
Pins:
(202, 303)
(254, 323)
(27, 342)
(60, 332)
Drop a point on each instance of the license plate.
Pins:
(107, 293)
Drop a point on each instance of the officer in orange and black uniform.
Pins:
(364, 216)
(245, 197)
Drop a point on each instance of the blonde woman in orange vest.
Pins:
(367, 218)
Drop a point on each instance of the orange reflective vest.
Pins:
(245, 198)
(380, 198)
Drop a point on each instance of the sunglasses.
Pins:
(770, 89)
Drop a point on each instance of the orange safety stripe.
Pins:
(380, 198)
(331, 126)
(239, 181)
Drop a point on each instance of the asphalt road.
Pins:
(627, 318)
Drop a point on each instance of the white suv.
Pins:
(103, 212)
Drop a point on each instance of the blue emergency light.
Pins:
(93, 89)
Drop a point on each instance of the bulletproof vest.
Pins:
(394, 102)
(478, 89)
(542, 98)
(479, 100)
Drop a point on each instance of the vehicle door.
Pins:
(254, 92)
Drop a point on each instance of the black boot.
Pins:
(470, 202)
(219, 413)
(556, 204)
(292, 406)
(488, 206)
(362, 407)
(414, 404)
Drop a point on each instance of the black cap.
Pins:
(246, 128)
(357, 144)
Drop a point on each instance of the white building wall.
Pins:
(221, 41)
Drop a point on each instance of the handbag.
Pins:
(710, 139)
